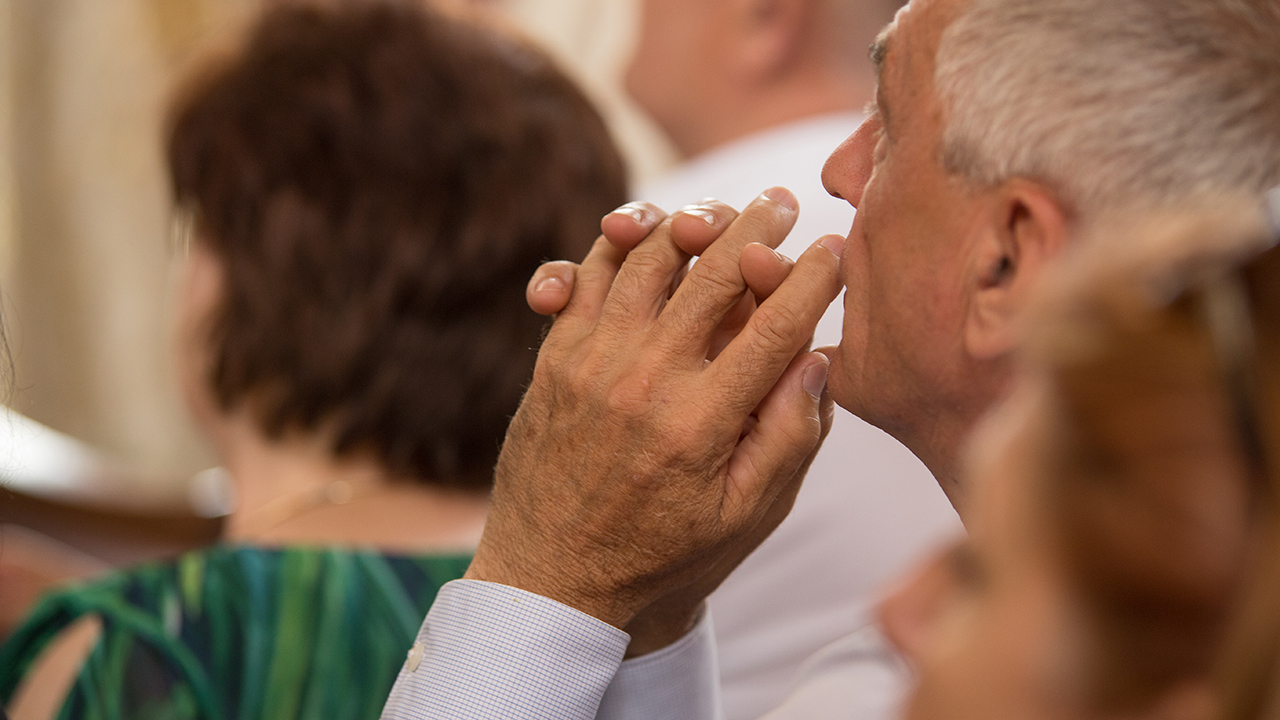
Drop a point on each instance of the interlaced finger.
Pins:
(657, 265)
(627, 226)
(591, 287)
(715, 283)
(643, 282)
(745, 371)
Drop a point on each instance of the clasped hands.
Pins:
(672, 414)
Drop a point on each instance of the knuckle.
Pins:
(550, 384)
(700, 435)
(563, 378)
(764, 221)
(549, 367)
(650, 259)
(715, 277)
(778, 327)
(631, 396)
(803, 434)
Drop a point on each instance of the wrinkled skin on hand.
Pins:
(654, 449)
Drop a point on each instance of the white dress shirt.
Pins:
(495, 652)
(868, 509)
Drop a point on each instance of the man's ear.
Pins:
(1024, 227)
(769, 34)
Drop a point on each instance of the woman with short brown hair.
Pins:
(364, 190)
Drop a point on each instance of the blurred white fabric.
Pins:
(868, 509)
(857, 676)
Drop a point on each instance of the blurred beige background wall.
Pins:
(84, 259)
(6, 144)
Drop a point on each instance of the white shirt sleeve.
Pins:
(492, 651)
(678, 682)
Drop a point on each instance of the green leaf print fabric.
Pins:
(240, 633)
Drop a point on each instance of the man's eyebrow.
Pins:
(876, 107)
(878, 52)
(879, 48)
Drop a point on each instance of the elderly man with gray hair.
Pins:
(652, 452)
(755, 94)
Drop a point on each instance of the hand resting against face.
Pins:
(665, 432)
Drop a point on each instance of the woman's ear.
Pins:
(1024, 227)
(200, 286)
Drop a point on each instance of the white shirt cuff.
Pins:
(493, 651)
(678, 682)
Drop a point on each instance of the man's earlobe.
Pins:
(1026, 226)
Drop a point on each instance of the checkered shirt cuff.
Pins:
(492, 651)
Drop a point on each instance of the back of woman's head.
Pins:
(378, 182)
(1163, 355)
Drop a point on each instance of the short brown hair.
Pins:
(380, 181)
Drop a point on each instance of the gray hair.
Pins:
(1114, 103)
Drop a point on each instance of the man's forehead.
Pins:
(916, 23)
(906, 47)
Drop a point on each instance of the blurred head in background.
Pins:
(371, 187)
(1123, 555)
(710, 71)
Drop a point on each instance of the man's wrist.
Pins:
(660, 625)
(600, 604)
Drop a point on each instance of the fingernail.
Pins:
(705, 216)
(549, 284)
(630, 211)
(834, 243)
(815, 379)
(783, 197)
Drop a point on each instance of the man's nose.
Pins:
(847, 171)
(908, 614)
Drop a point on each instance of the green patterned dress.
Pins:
(240, 633)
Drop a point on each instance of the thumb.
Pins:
(790, 426)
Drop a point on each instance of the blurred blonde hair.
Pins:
(1162, 355)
